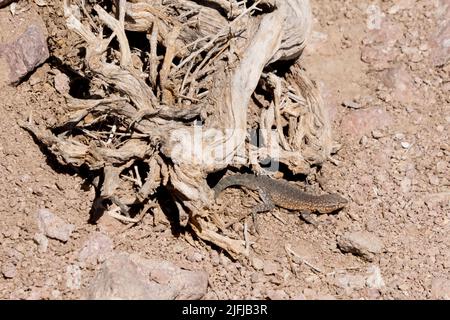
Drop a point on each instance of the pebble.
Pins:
(363, 140)
(73, 277)
(270, 267)
(257, 277)
(405, 185)
(9, 270)
(62, 82)
(257, 263)
(434, 180)
(377, 134)
(405, 145)
(42, 241)
(374, 279)
(96, 248)
(351, 104)
(278, 294)
(215, 258)
(195, 257)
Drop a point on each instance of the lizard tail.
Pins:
(246, 180)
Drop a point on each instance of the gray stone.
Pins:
(73, 277)
(53, 226)
(257, 263)
(62, 82)
(42, 242)
(440, 42)
(361, 243)
(270, 267)
(96, 249)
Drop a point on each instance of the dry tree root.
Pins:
(181, 108)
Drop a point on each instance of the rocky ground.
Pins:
(383, 70)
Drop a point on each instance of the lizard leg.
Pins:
(267, 205)
(308, 217)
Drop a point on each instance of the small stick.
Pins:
(288, 249)
(153, 70)
(114, 213)
(138, 177)
(168, 58)
(246, 239)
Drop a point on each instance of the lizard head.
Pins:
(332, 202)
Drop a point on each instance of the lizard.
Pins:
(282, 194)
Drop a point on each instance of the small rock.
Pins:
(96, 249)
(360, 122)
(374, 279)
(53, 226)
(363, 140)
(73, 277)
(42, 242)
(373, 294)
(361, 243)
(377, 134)
(125, 276)
(351, 104)
(440, 45)
(25, 54)
(434, 180)
(257, 263)
(405, 185)
(9, 270)
(442, 166)
(399, 136)
(215, 258)
(270, 267)
(277, 295)
(56, 294)
(299, 296)
(194, 256)
(440, 288)
(257, 277)
(62, 83)
(405, 145)
(178, 248)
(348, 281)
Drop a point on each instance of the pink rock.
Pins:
(378, 49)
(401, 83)
(25, 54)
(361, 122)
(96, 249)
(440, 41)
